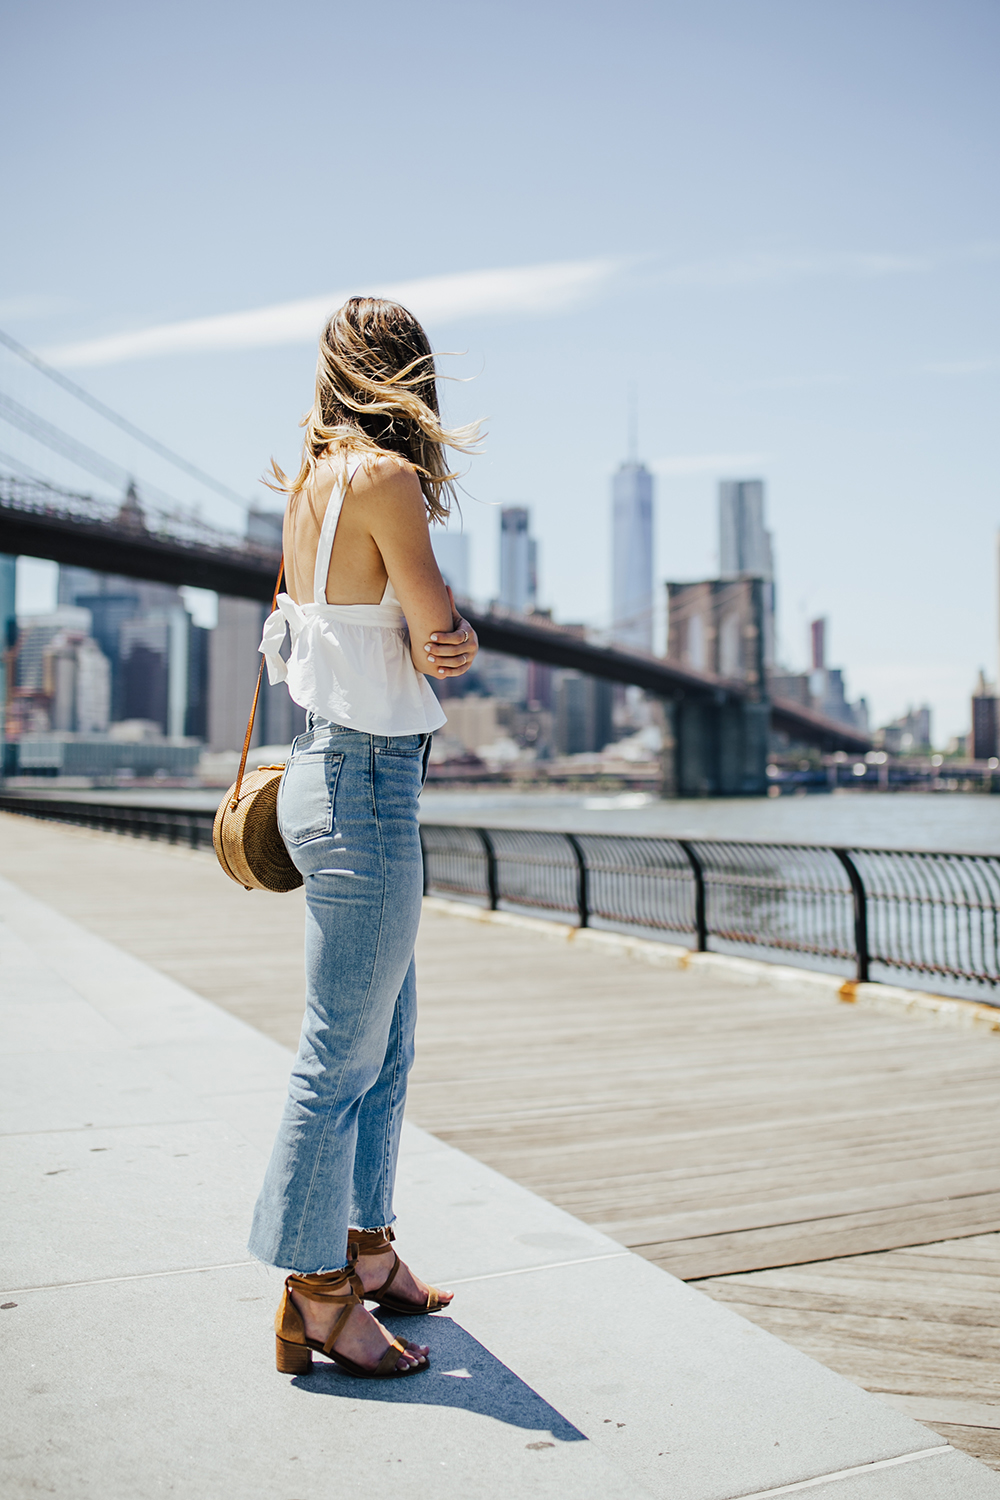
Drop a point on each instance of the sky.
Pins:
(777, 221)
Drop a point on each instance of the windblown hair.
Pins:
(376, 393)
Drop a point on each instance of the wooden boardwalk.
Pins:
(831, 1173)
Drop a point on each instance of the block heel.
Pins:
(293, 1349)
(292, 1359)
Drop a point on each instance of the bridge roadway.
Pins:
(33, 528)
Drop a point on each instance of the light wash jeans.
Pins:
(347, 810)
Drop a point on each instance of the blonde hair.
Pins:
(376, 393)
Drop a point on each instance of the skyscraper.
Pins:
(744, 543)
(745, 549)
(632, 556)
(518, 560)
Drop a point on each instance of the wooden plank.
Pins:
(789, 1211)
(978, 1442)
(957, 1413)
(829, 1239)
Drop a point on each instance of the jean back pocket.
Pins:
(306, 796)
(408, 746)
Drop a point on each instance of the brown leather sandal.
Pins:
(376, 1242)
(293, 1350)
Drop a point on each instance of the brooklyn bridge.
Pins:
(721, 727)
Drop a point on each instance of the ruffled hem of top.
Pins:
(353, 671)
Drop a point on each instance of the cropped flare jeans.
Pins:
(347, 810)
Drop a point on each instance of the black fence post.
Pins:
(492, 884)
(423, 856)
(860, 913)
(700, 919)
(582, 889)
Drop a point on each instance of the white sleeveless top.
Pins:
(349, 663)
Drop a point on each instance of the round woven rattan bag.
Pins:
(249, 847)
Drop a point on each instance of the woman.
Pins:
(371, 620)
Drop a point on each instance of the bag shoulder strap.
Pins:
(235, 800)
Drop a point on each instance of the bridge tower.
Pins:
(720, 745)
(719, 749)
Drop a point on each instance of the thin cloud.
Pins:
(434, 299)
(708, 463)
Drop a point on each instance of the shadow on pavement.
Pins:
(463, 1374)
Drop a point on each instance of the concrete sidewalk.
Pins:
(136, 1120)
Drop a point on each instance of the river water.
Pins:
(949, 821)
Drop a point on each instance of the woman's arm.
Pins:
(453, 651)
(397, 518)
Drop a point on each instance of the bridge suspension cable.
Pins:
(152, 443)
(78, 453)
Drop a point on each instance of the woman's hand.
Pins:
(450, 653)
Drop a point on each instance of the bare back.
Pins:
(382, 535)
(357, 573)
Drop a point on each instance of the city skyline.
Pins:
(703, 216)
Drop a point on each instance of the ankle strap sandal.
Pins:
(293, 1350)
(377, 1242)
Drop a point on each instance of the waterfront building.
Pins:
(144, 662)
(792, 686)
(632, 557)
(540, 687)
(104, 755)
(145, 632)
(35, 633)
(62, 679)
(73, 581)
(518, 560)
(473, 721)
(233, 662)
(746, 548)
(910, 733)
(826, 684)
(77, 684)
(451, 548)
(583, 714)
(985, 721)
(8, 640)
(196, 715)
(503, 677)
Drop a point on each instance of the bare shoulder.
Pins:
(387, 480)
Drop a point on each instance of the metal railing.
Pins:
(173, 825)
(930, 918)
